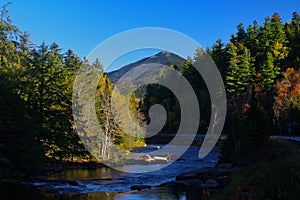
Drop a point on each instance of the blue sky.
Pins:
(82, 25)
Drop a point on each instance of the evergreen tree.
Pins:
(240, 71)
(21, 152)
(292, 30)
(241, 34)
(269, 73)
(217, 53)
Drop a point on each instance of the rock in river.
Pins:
(225, 167)
(73, 183)
(201, 174)
(210, 183)
(140, 187)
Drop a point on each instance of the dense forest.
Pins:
(260, 68)
(36, 121)
(259, 65)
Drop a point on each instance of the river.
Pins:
(107, 183)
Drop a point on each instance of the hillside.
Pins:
(163, 57)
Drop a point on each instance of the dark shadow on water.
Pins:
(20, 192)
(107, 183)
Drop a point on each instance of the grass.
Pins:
(275, 174)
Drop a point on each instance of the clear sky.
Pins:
(82, 25)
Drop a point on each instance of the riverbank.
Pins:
(55, 166)
(100, 181)
(50, 167)
(274, 175)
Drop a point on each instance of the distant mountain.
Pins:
(163, 57)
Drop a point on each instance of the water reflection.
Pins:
(84, 174)
(106, 183)
(13, 191)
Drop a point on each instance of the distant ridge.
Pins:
(164, 57)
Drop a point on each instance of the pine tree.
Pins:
(269, 73)
(292, 30)
(241, 34)
(240, 71)
(217, 53)
(251, 40)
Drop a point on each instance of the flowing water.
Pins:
(107, 183)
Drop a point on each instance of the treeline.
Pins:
(36, 91)
(157, 94)
(36, 121)
(259, 63)
(260, 67)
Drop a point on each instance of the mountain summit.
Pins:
(165, 58)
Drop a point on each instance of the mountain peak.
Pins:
(163, 57)
(163, 53)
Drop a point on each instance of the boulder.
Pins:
(225, 167)
(201, 174)
(168, 184)
(210, 183)
(195, 183)
(140, 187)
(73, 183)
(222, 181)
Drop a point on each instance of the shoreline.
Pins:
(217, 180)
